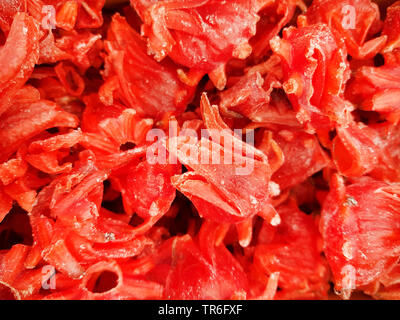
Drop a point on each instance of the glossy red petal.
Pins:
(360, 246)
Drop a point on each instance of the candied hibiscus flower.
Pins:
(199, 149)
(273, 17)
(355, 21)
(71, 14)
(315, 73)
(233, 204)
(108, 132)
(232, 188)
(27, 118)
(127, 63)
(377, 89)
(359, 150)
(295, 253)
(303, 156)
(197, 270)
(360, 245)
(391, 24)
(146, 189)
(200, 35)
(22, 45)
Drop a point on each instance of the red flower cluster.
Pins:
(292, 190)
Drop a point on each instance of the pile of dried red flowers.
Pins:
(100, 178)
